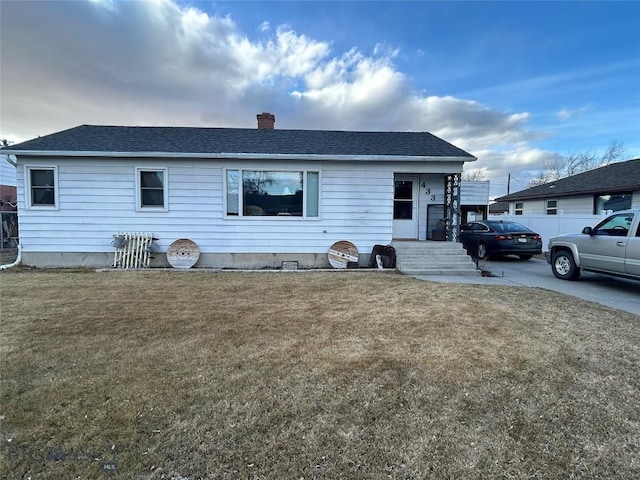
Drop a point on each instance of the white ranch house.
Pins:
(249, 198)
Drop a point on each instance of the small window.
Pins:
(552, 207)
(42, 187)
(313, 194)
(233, 192)
(519, 208)
(152, 191)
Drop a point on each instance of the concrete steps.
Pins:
(433, 258)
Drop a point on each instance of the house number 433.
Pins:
(432, 197)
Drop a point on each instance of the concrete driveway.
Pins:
(611, 291)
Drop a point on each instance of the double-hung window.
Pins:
(552, 207)
(519, 208)
(151, 189)
(42, 187)
(272, 193)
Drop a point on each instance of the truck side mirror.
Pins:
(587, 231)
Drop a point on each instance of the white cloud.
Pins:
(567, 113)
(522, 161)
(161, 63)
(265, 26)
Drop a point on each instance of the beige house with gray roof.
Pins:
(613, 187)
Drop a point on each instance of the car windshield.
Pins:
(509, 227)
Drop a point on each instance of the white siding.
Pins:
(7, 172)
(474, 193)
(578, 205)
(97, 199)
(530, 207)
(582, 205)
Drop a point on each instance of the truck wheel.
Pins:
(564, 266)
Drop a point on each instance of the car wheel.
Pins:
(564, 266)
(482, 251)
(525, 257)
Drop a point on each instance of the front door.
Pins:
(405, 207)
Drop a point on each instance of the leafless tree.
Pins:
(473, 176)
(578, 162)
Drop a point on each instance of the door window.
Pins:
(403, 200)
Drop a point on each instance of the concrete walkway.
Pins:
(613, 292)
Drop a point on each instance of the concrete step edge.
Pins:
(443, 272)
(436, 267)
(435, 257)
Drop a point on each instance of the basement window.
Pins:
(42, 183)
(271, 193)
(151, 189)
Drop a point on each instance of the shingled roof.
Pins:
(614, 178)
(190, 141)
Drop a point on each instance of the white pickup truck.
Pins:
(611, 247)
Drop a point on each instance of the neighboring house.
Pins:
(248, 198)
(8, 207)
(613, 187)
(498, 208)
(8, 194)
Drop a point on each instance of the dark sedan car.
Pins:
(493, 238)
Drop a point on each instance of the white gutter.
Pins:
(16, 262)
(6, 157)
(244, 156)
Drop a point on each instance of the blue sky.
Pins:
(517, 84)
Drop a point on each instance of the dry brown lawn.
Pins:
(350, 375)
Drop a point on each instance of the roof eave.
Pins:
(244, 156)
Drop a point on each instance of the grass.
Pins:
(258, 376)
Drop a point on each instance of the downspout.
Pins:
(19, 257)
(16, 262)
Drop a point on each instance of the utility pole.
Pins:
(508, 184)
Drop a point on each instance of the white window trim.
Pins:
(271, 218)
(56, 187)
(516, 209)
(165, 190)
(547, 208)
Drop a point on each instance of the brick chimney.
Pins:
(266, 121)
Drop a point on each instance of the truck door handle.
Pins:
(620, 244)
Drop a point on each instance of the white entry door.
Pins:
(405, 207)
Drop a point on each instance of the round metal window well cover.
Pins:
(341, 253)
(183, 253)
